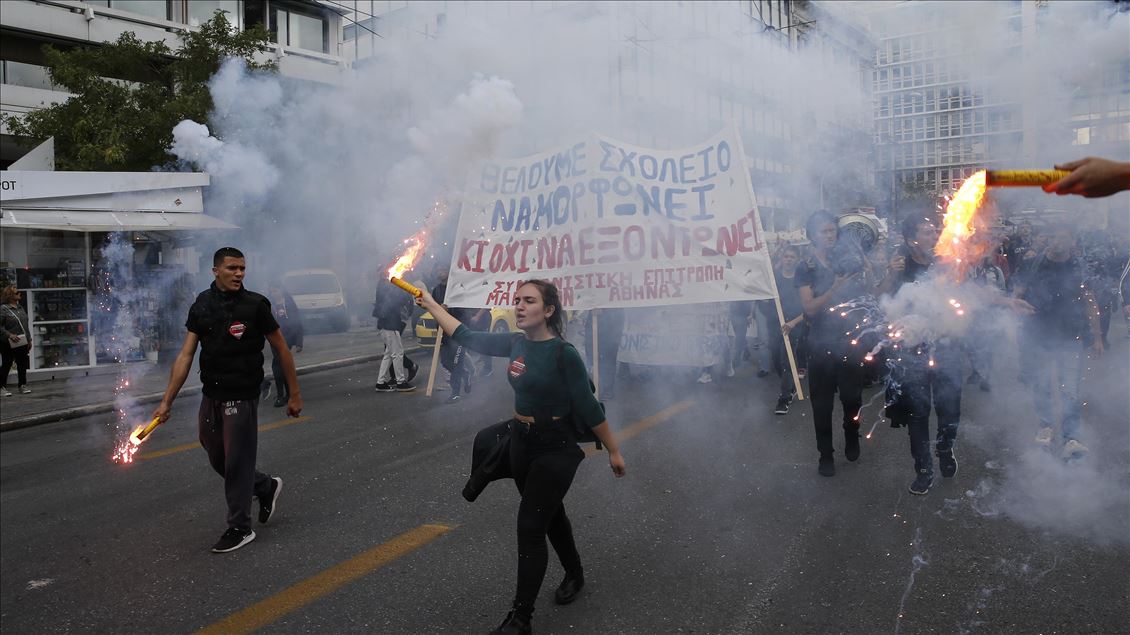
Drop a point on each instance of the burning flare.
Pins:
(126, 449)
(966, 236)
(1023, 178)
(407, 260)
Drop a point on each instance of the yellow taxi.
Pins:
(501, 321)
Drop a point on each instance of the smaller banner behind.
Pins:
(613, 225)
(697, 336)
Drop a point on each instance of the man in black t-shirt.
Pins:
(1064, 324)
(230, 324)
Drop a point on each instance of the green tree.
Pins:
(128, 95)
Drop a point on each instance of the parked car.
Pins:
(318, 295)
(501, 321)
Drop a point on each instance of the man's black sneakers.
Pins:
(922, 483)
(385, 387)
(233, 539)
(268, 507)
(948, 464)
(782, 406)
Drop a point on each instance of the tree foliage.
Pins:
(129, 94)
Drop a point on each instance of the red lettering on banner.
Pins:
(630, 253)
(464, 256)
(585, 246)
(757, 244)
(524, 267)
(608, 245)
(565, 252)
(496, 257)
(547, 252)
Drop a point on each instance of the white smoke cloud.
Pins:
(236, 163)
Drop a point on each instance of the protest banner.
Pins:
(613, 225)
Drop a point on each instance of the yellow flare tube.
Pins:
(140, 436)
(1023, 178)
(407, 287)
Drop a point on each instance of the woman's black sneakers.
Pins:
(569, 589)
(851, 444)
(514, 624)
(827, 466)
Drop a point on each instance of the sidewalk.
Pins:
(61, 399)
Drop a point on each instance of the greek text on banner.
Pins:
(612, 225)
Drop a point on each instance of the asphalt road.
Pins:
(722, 524)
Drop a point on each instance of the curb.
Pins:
(74, 412)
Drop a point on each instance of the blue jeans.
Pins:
(764, 354)
(1062, 361)
(922, 388)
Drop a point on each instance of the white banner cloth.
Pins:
(613, 225)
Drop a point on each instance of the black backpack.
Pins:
(583, 433)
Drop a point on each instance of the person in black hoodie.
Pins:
(230, 324)
(390, 307)
(453, 355)
(286, 314)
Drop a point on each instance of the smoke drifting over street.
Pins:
(341, 174)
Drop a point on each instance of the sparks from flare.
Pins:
(414, 245)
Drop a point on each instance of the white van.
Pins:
(318, 295)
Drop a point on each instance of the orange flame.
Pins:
(126, 449)
(966, 237)
(406, 261)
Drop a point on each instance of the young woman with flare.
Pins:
(552, 397)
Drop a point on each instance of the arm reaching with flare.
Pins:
(1092, 177)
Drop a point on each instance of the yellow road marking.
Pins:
(156, 454)
(295, 597)
(647, 422)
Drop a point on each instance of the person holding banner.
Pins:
(833, 364)
(552, 399)
(787, 260)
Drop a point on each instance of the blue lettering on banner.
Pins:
(626, 182)
(697, 167)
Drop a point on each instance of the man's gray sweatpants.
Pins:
(229, 432)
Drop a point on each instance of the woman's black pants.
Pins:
(829, 372)
(20, 357)
(543, 461)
